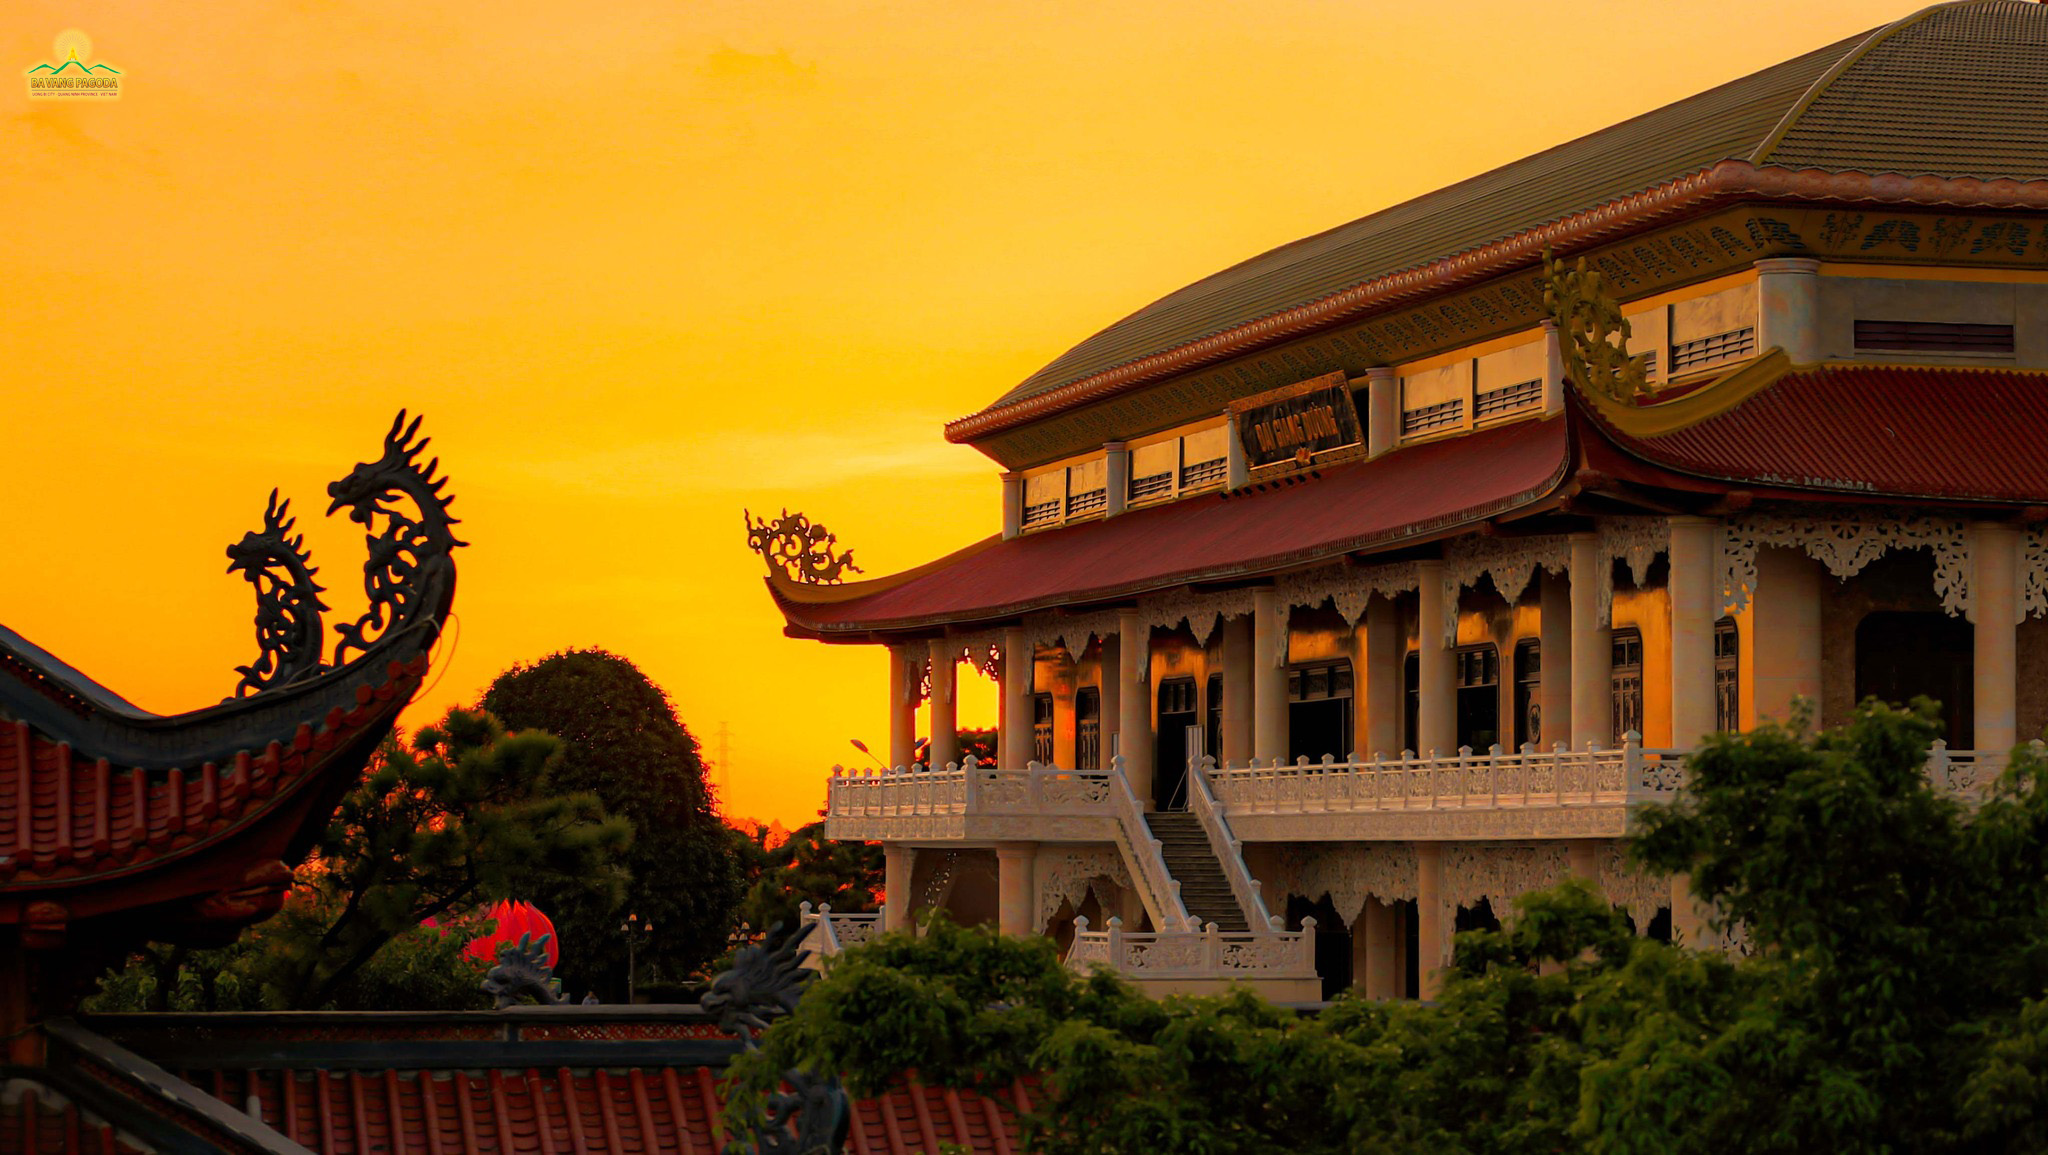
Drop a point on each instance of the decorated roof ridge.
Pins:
(1678, 159)
(1410, 496)
(67, 821)
(1849, 430)
(409, 583)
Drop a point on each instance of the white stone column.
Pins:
(904, 678)
(1237, 691)
(1432, 921)
(1788, 307)
(1237, 468)
(898, 862)
(1592, 646)
(1269, 677)
(1695, 556)
(1383, 646)
(1016, 889)
(1785, 633)
(1436, 719)
(1019, 664)
(1116, 471)
(1013, 505)
(1134, 703)
(1554, 651)
(1994, 604)
(1553, 370)
(1382, 409)
(945, 704)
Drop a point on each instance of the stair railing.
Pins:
(1146, 857)
(1228, 850)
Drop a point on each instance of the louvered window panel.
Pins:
(1934, 337)
(1708, 350)
(1203, 473)
(1045, 513)
(1157, 485)
(1507, 399)
(1093, 501)
(1649, 363)
(1429, 418)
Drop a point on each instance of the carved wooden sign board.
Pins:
(1312, 416)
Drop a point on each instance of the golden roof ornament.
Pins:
(1593, 333)
(800, 549)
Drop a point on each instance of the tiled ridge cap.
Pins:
(1725, 180)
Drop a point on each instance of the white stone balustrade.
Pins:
(971, 801)
(836, 932)
(1526, 793)
(1279, 964)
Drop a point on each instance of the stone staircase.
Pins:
(1203, 888)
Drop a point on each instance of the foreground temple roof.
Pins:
(1955, 91)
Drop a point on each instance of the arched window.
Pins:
(1727, 677)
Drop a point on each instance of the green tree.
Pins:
(1892, 996)
(621, 741)
(807, 867)
(460, 816)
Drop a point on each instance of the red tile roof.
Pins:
(1880, 431)
(36, 1120)
(563, 1111)
(65, 821)
(1411, 494)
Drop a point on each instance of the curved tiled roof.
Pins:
(1959, 90)
(1408, 495)
(1919, 432)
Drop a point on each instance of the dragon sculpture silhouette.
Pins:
(409, 575)
(409, 560)
(289, 631)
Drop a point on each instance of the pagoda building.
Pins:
(1336, 603)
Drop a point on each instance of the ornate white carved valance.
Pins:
(1347, 873)
(1500, 873)
(1066, 873)
(1641, 895)
(1846, 545)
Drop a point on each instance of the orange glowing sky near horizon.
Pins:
(644, 263)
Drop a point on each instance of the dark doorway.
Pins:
(1480, 917)
(1411, 702)
(1319, 711)
(1212, 744)
(1900, 656)
(1333, 942)
(1528, 694)
(1088, 729)
(1407, 920)
(1170, 759)
(1478, 697)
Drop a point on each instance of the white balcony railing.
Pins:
(1207, 955)
(968, 787)
(837, 931)
(1494, 779)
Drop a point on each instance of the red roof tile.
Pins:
(637, 1109)
(1411, 494)
(1919, 432)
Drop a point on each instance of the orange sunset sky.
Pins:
(644, 262)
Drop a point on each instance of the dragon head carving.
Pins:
(289, 630)
(409, 574)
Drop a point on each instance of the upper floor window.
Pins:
(1628, 683)
(1934, 337)
(1041, 728)
(1727, 677)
